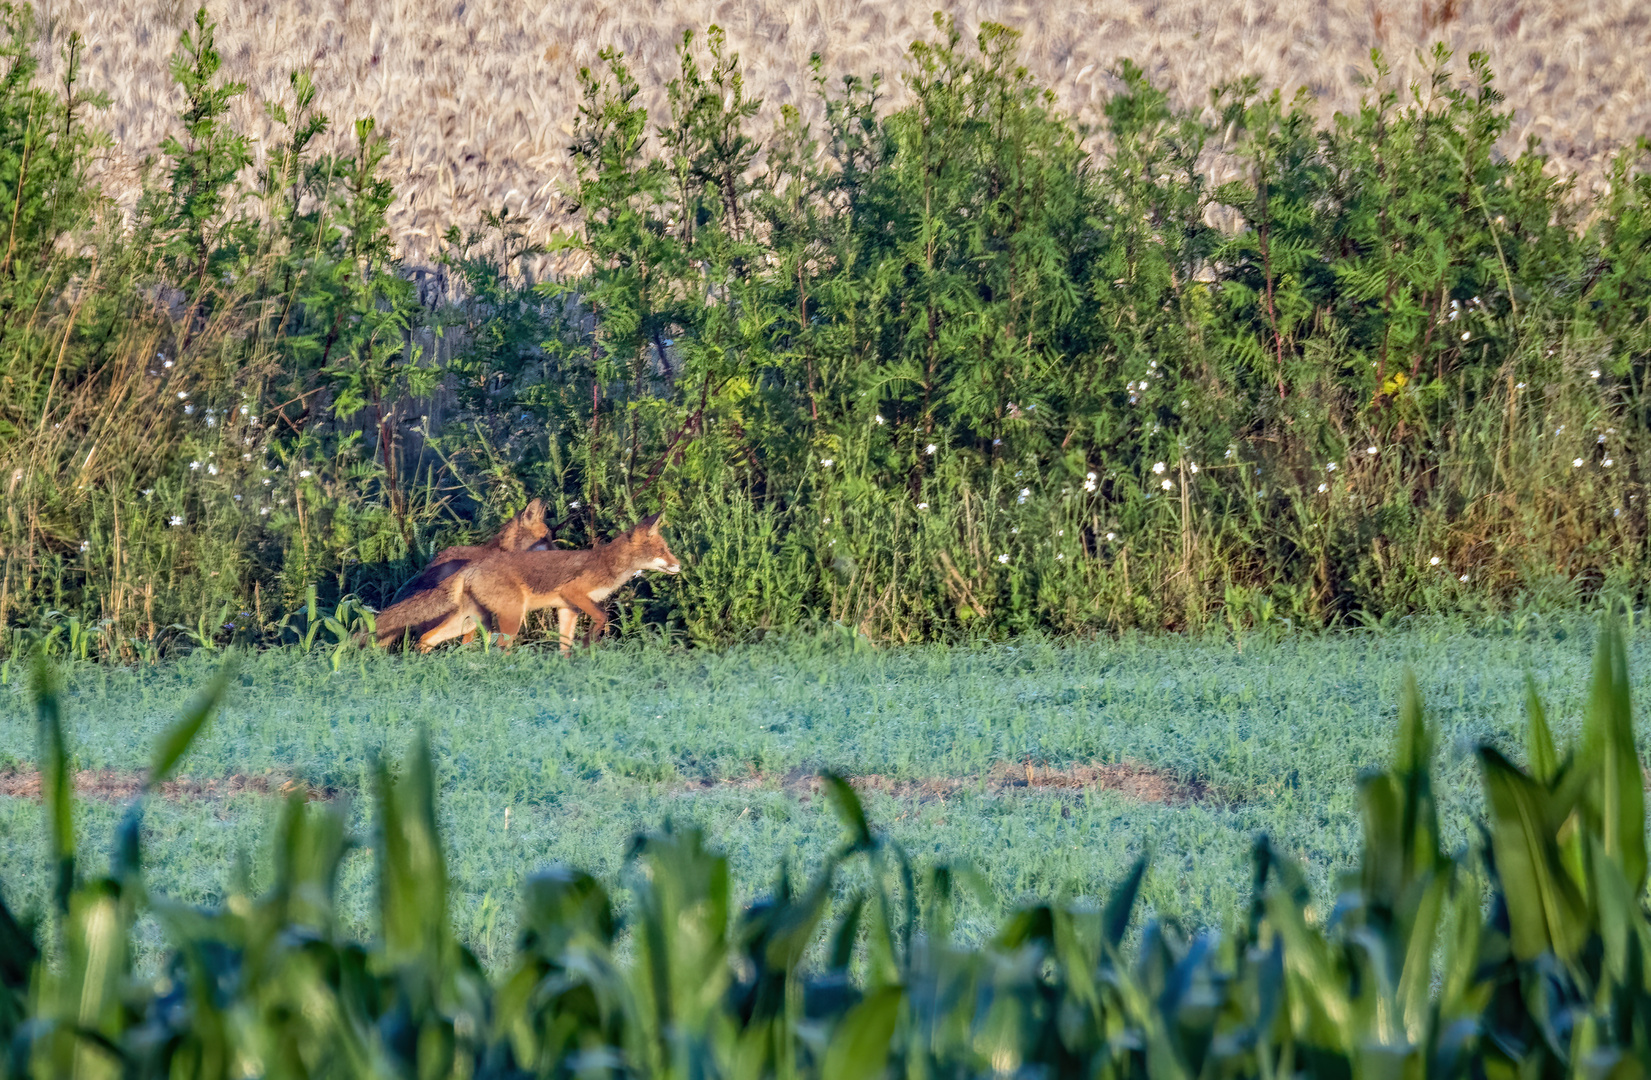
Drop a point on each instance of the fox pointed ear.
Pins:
(533, 511)
(649, 524)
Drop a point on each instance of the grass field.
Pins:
(582, 753)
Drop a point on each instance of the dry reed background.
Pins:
(479, 96)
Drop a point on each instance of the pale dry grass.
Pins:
(480, 95)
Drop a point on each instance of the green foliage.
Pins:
(1520, 954)
(961, 367)
(205, 164)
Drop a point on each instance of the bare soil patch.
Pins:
(116, 785)
(1132, 780)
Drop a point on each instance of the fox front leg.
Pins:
(508, 620)
(598, 618)
(567, 620)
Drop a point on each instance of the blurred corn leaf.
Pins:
(181, 735)
(55, 780)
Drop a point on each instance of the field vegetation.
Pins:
(955, 388)
(930, 366)
(1508, 941)
(1184, 748)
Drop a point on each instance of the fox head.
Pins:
(527, 530)
(647, 547)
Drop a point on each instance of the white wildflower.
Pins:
(212, 470)
(1323, 488)
(1111, 537)
(1608, 462)
(1463, 579)
(923, 506)
(1594, 374)
(183, 395)
(85, 545)
(1168, 485)
(879, 418)
(1370, 449)
(1025, 493)
(827, 462)
(1157, 468)
(1330, 467)
(1433, 561)
(930, 449)
(303, 474)
(262, 510)
(1466, 334)
(194, 465)
(574, 505)
(1577, 464)
(188, 410)
(1003, 559)
(175, 520)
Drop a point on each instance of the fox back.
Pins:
(524, 532)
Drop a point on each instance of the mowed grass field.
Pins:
(1222, 742)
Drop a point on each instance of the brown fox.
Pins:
(524, 532)
(498, 591)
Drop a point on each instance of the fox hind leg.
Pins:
(455, 625)
(461, 621)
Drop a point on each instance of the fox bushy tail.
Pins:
(420, 609)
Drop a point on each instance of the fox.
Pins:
(524, 532)
(498, 591)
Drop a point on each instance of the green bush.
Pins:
(1523, 954)
(965, 366)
